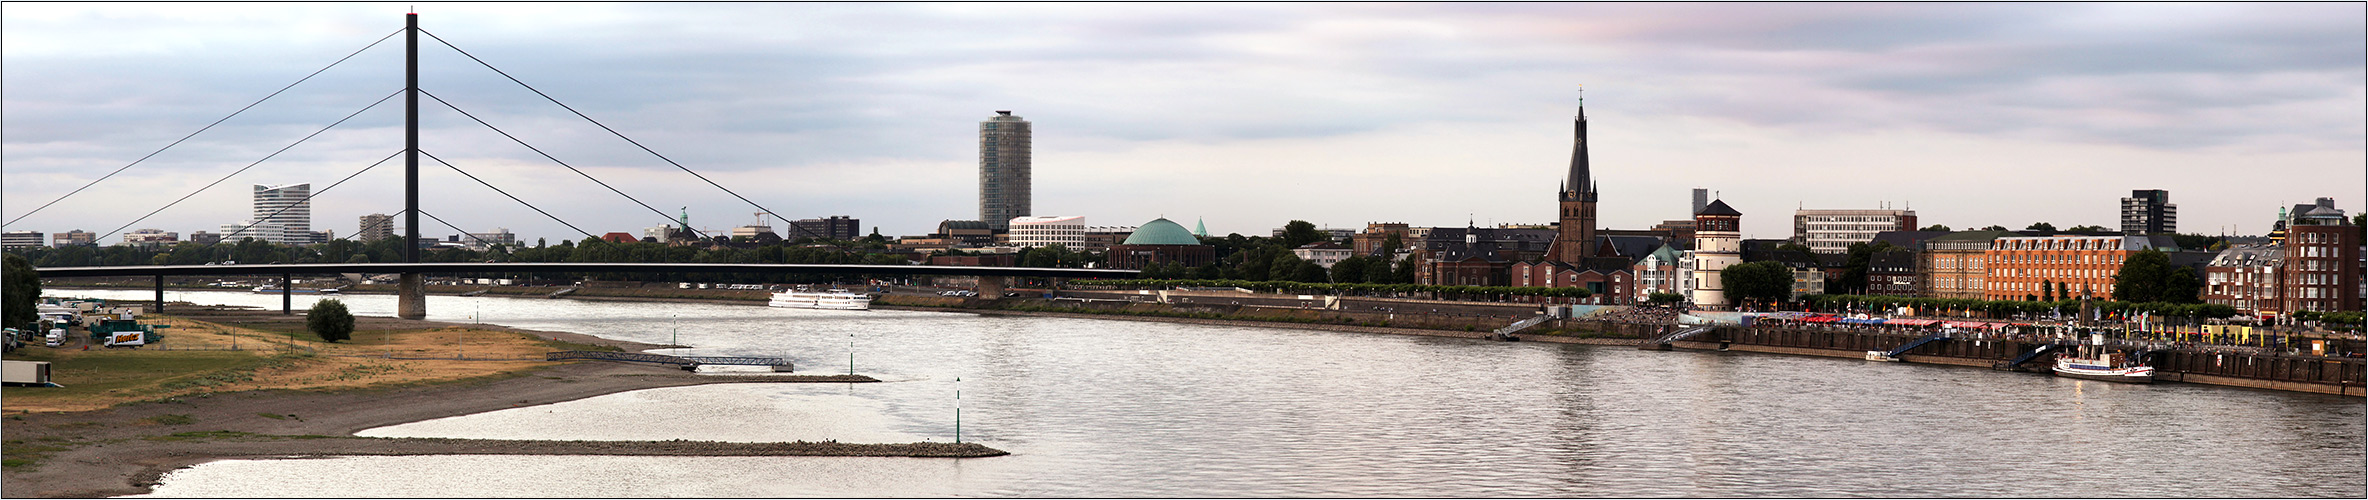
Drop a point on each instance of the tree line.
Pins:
(389, 250)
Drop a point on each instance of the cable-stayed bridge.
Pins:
(412, 303)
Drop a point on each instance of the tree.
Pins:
(1664, 298)
(1299, 232)
(2088, 229)
(1767, 281)
(1350, 270)
(1284, 267)
(1377, 270)
(1309, 272)
(1853, 280)
(1936, 227)
(2142, 277)
(22, 288)
(1994, 227)
(2041, 226)
(329, 319)
(1794, 247)
(2180, 286)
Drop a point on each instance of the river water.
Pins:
(1133, 409)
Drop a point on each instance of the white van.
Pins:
(57, 337)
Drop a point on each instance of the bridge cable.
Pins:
(488, 244)
(200, 131)
(507, 193)
(604, 126)
(539, 151)
(309, 197)
(381, 100)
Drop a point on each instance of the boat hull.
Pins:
(843, 301)
(2132, 375)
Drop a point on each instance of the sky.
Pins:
(1244, 116)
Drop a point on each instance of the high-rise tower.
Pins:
(1003, 164)
(1577, 238)
(284, 214)
(2149, 211)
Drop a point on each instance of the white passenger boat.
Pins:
(2091, 362)
(834, 299)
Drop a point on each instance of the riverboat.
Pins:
(2092, 363)
(833, 299)
(274, 289)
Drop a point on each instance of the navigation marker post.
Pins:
(957, 409)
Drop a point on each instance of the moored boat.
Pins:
(833, 299)
(2093, 363)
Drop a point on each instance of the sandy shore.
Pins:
(125, 449)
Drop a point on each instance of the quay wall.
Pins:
(2325, 375)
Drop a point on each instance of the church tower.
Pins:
(1577, 238)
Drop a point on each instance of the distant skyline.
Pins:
(1245, 115)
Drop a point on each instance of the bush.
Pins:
(330, 320)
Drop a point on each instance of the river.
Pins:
(1094, 408)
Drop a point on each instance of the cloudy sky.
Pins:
(1245, 115)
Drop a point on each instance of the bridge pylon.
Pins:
(411, 297)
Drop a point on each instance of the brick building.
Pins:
(2248, 278)
(1952, 266)
(2321, 262)
(2073, 264)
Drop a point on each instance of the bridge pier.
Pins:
(160, 293)
(991, 287)
(287, 294)
(411, 297)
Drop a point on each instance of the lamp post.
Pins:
(850, 353)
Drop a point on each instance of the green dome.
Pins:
(1161, 231)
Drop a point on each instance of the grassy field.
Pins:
(100, 377)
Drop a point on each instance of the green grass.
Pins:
(17, 454)
(273, 416)
(110, 375)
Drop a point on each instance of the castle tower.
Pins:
(1718, 243)
(1577, 237)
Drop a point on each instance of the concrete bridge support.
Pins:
(411, 297)
(991, 287)
(160, 293)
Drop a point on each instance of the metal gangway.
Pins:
(1506, 333)
(2017, 363)
(1662, 343)
(1893, 355)
(687, 363)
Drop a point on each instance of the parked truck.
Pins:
(33, 373)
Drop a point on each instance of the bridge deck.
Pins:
(590, 267)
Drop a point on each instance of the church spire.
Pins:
(1579, 187)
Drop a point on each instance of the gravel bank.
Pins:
(122, 450)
